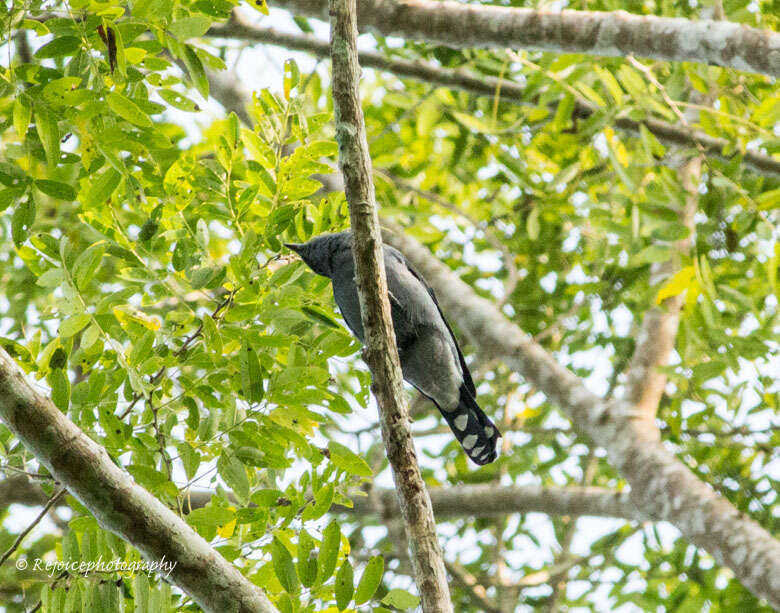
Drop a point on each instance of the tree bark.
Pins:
(617, 34)
(487, 500)
(381, 353)
(118, 503)
(661, 486)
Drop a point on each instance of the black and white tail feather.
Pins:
(474, 430)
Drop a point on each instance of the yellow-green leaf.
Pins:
(348, 461)
(22, 115)
(370, 580)
(128, 110)
(676, 285)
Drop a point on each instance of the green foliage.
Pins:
(143, 283)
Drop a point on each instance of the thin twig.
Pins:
(52, 501)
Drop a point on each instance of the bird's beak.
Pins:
(294, 247)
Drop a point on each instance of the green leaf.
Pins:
(735, 297)
(233, 130)
(329, 552)
(54, 277)
(708, 370)
(291, 77)
(73, 324)
(323, 500)
(196, 71)
(141, 593)
(401, 599)
(211, 335)
(348, 461)
(153, 10)
(284, 567)
(22, 221)
(60, 389)
(128, 110)
(653, 253)
(9, 196)
(102, 188)
(345, 585)
(307, 563)
(142, 348)
(64, 45)
(190, 27)
(57, 93)
(632, 81)
(49, 133)
(234, 474)
(190, 459)
(610, 83)
(532, 224)
(321, 148)
(474, 124)
(671, 232)
(22, 115)
(370, 580)
(55, 189)
(299, 188)
(769, 199)
(251, 375)
(177, 100)
(320, 315)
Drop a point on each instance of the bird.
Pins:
(431, 359)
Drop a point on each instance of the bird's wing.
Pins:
(467, 380)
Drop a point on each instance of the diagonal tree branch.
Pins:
(662, 486)
(480, 85)
(381, 353)
(617, 34)
(474, 589)
(117, 502)
(49, 504)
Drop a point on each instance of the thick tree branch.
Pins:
(480, 85)
(490, 500)
(617, 34)
(380, 352)
(662, 486)
(486, 500)
(117, 502)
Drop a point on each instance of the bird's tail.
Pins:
(473, 429)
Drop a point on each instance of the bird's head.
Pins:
(319, 252)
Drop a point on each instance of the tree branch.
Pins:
(662, 486)
(49, 504)
(490, 500)
(475, 590)
(480, 85)
(381, 353)
(117, 502)
(486, 500)
(617, 34)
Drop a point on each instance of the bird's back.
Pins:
(411, 304)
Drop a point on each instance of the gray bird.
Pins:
(430, 357)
